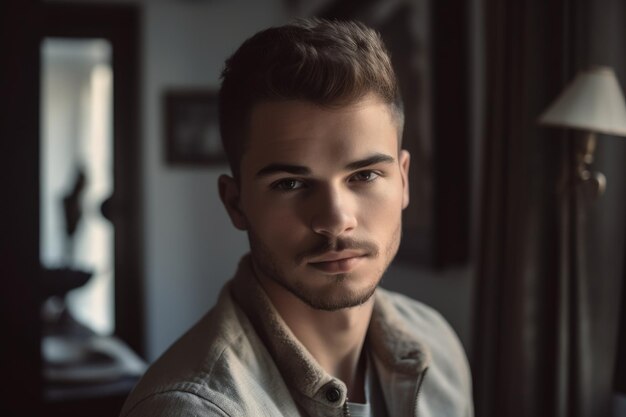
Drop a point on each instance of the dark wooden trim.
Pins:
(451, 131)
(20, 357)
(619, 381)
(119, 24)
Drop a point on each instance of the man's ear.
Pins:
(405, 162)
(231, 198)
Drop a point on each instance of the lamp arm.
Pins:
(594, 183)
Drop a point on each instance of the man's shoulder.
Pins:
(197, 372)
(448, 383)
(419, 315)
(184, 400)
(428, 326)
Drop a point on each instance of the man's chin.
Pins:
(317, 289)
(335, 299)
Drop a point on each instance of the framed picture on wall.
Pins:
(192, 135)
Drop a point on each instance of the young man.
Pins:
(311, 120)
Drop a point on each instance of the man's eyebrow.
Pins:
(277, 167)
(302, 170)
(370, 160)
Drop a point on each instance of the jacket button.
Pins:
(333, 394)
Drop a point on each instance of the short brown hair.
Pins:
(329, 63)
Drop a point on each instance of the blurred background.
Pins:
(114, 241)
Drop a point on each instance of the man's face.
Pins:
(321, 194)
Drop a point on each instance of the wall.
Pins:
(191, 247)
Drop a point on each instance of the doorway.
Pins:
(89, 207)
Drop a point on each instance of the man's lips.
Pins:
(337, 262)
(332, 256)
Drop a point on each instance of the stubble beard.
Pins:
(265, 263)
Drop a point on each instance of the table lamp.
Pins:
(592, 103)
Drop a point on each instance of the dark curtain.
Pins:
(550, 262)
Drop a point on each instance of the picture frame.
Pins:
(192, 136)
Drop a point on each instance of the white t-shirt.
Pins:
(374, 401)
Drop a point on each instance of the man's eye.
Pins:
(364, 176)
(287, 184)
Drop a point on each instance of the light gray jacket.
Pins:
(241, 360)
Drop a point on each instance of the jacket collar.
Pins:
(388, 338)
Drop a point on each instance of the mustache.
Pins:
(337, 245)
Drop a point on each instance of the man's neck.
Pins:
(334, 338)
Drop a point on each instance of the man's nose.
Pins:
(333, 211)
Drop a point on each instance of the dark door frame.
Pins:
(23, 25)
(119, 24)
(20, 357)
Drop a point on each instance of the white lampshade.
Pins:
(592, 102)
